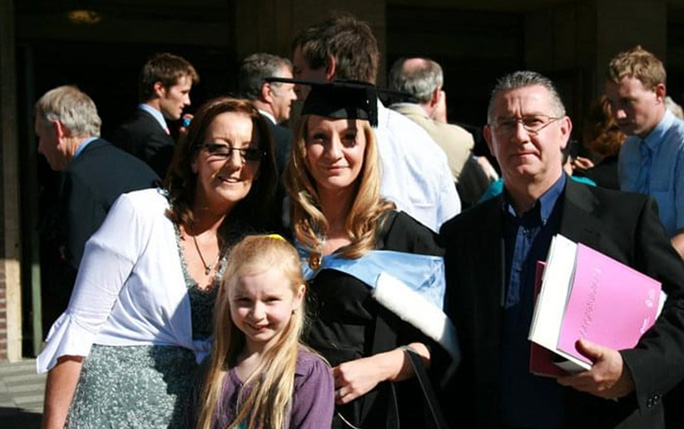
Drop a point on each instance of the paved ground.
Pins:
(21, 395)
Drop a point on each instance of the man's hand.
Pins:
(608, 378)
(582, 163)
(186, 119)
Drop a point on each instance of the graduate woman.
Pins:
(350, 239)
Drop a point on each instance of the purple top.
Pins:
(313, 402)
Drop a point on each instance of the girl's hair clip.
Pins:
(276, 237)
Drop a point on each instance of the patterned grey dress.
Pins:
(143, 386)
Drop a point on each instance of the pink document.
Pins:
(610, 304)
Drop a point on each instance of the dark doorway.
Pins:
(107, 70)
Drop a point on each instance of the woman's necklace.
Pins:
(316, 256)
(207, 268)
(315, 260)
(326, 246)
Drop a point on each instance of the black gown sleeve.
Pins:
(405, 234)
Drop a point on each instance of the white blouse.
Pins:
(130, 288)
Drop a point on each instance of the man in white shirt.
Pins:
(415, 173)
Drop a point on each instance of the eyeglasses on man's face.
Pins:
(533, 124)
(223, 151)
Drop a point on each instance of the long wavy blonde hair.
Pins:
(308, 221)
(271, 385)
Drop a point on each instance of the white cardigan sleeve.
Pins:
(109, 257)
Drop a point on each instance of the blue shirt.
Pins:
(497, 187)
(665, 170)
(83, 144)
(156, 114)
(527, 400)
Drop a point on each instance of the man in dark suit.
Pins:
(164, 89)
(94, 174)
(491, 253)
(273, 99)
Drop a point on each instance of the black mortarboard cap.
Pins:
(339, 99)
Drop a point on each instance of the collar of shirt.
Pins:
(156, 114)
(383, 115)
(657, 136)
(83, 144)
(268, 115)
(545, 203)
(412, 105)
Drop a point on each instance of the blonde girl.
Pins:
(259, 375)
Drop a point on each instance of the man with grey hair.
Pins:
(423, 79)
(272, 99)
(94, 174)
(490, 282)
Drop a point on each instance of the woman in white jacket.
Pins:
(123, 354)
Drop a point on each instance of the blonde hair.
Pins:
(637, 63)
(269, 401)
(308, 221)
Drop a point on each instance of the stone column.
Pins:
(10, 227)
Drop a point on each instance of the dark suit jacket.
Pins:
(623, 226)
(89, 185)
(146, 139)
(282, 138)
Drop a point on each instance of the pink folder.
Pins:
(609, 304)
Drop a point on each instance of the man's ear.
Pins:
(565, 129)
(159, 89)
(436, 96)
(330, 68)
(266, 93)
(660, 92)
(59, 129)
